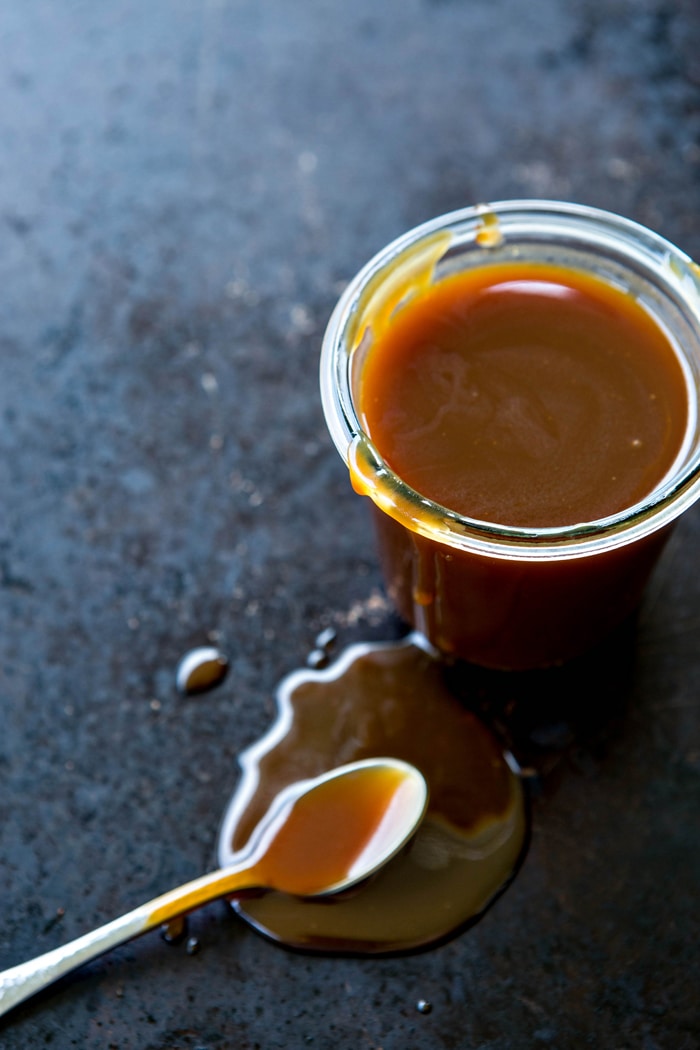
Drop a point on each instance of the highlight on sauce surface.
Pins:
(525, 394)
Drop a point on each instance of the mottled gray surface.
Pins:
(185, 185)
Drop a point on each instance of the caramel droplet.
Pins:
(175, 931)
(201, 669)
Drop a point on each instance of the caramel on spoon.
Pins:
(319, 837)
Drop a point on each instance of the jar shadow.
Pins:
(567, 714)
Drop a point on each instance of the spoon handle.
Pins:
(22, 981)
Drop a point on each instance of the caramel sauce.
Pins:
(512, 614)
(320, 837)
(387, 699)
(201, 669)
(326, 835)
(525, 394)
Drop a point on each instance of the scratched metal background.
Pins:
(185, 185)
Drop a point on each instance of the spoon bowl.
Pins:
(320, 836)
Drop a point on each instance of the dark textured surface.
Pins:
(184, 188)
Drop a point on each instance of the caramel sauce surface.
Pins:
(387, 699)
(528, 395)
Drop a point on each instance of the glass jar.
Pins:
(492, 594)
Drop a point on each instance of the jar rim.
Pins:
(498, 223)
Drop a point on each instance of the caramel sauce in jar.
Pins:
(515, 387)
(525, 394)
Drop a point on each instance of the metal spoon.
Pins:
(313, 841)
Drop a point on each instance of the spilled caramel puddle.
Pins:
(387, 699)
